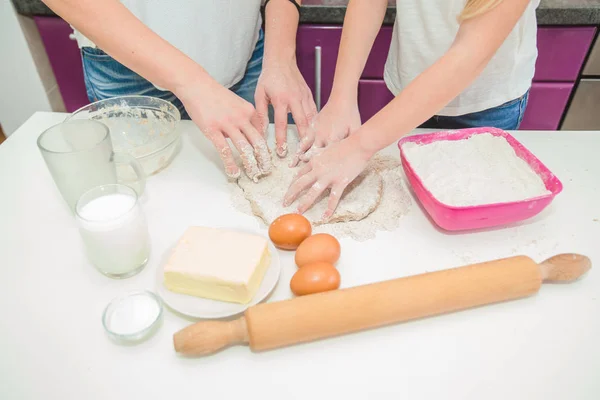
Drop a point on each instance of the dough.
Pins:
(359, 200)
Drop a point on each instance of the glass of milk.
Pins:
(114, 230)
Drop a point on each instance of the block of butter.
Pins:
(218, 264)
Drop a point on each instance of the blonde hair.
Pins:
(474, 8)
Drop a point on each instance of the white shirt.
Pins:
(425, 30)
(220, 35)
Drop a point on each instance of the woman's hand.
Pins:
(282, 85)
(336, 121)
(335, 168)
(221, 114)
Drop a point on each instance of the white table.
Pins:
(52, 345)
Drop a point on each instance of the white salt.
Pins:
(482, 169)
(133, 314)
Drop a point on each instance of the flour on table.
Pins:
(376, 200)
(482, 169)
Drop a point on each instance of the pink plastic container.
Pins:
(484, 216)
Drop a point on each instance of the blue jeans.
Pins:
(507, 116)
(105, 78)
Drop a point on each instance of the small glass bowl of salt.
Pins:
(132, 317)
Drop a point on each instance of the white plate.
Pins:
(198, 307)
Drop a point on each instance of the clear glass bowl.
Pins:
(143, 126)
(132, 317)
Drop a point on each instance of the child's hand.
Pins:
(336, 121)
(336, 167)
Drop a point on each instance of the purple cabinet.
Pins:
(373, 95)
(308, 40)
(328, 39)
(378, 56)
(561, 52)
(547, 102)
(65, 60)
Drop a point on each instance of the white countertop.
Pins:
(52, 345)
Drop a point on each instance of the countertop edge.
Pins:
(318, 14)
(566, 15)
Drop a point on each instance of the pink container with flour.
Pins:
(453, 218)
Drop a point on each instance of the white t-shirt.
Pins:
(220, 35)
(425, 30)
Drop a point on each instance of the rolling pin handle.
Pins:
(565, 268)
(208, 337)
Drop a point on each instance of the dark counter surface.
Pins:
(550, 12)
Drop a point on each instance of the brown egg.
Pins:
(288, 231)
(319, 247)
(314, 278)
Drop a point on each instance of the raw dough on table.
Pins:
(375, 201)
(360, 198)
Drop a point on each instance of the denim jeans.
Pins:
(105, 78)
(507, 116)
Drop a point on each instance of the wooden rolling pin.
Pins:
(271, 325)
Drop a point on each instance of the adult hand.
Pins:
(221, 114)
(282, 85)
(336, 121)
(335, 168)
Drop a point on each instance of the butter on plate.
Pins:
(218, 264)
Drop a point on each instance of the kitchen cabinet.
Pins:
(592, 67)
(316, 52)
(584, 110)
(547, 102)
(65, 60)
(373, 95)
(313, 39)
(562, 51)
(378, 56)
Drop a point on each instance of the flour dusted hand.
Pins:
(282, 85)
(221, 114)
(375, 201)
(336, 121)
(335, 168)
